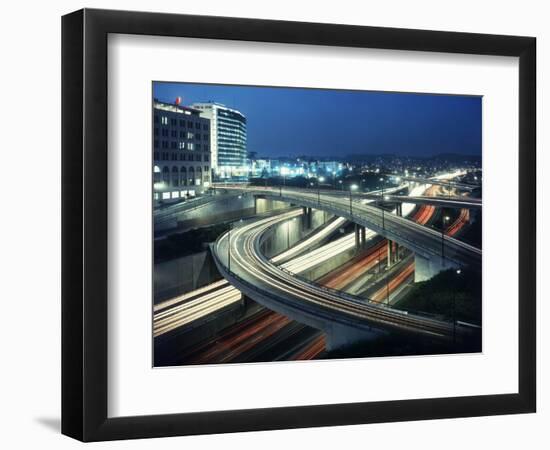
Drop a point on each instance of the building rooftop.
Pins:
(172, 107)
(212, 104)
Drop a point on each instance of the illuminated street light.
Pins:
(319, 181)
(445, 220)
(458, 272)
(352, 188)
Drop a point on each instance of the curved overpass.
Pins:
(424, 241)
(387, 196)
(342, 317)
(440, 201)
(442, 182)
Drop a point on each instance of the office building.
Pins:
(227, 139)
(181, 151)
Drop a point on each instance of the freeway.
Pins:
(444, 201)
(440, 201)
(441, 182)
(339, 279)
(456, 226)
(420, 239)
(310, 304)
(383, 293)
(182, 310)
(187, 308)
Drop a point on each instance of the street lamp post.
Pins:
(351, 189)
(229, 248)
(386, 197)
(445, 220)
(319, 181)
(458, 271)
(288, 234)
(381, 206)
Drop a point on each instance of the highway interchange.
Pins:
(276, 283)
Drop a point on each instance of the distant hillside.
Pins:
(449, 157)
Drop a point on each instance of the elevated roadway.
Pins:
(442, 182)
(439, 201)
(430, 244)
(344, 318)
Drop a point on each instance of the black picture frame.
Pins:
(84, 224)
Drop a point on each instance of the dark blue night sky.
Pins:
(324, 123)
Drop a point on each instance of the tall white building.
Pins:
(227, 140)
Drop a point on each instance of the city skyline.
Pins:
(324, 123)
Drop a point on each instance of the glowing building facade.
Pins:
(181, 151)
(228, 140)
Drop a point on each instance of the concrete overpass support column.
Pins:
(390, 259)
(340, 336)
(400, 209)
(363, 236)
(426, 268)
(357, 237)
(395, 252)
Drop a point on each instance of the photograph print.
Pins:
(294, 224)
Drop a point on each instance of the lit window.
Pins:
(164, 120)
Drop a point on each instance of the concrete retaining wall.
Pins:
(211, 213)
(180, 275)
(286, 234)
